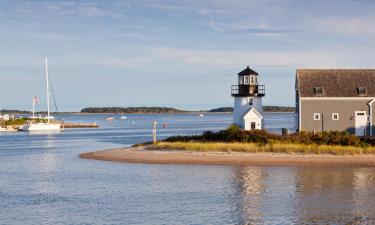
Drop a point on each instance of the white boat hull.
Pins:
(40, 127)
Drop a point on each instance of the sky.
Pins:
(182, 54)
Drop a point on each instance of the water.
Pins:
(42, 181)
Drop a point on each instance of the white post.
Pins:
(47, 91)
(154, 132)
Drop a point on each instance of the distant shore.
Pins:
(146, 113)
(170, 156)
(150, 110)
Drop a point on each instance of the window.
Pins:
(361, 91)
(240, 80)
(361, 114)
(335, 116)
(250, 101)
(256, 80)
(318, 90)
(316, 116)
(246, 80)
(251, 79)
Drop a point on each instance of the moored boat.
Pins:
(110, 118)
(42, 126)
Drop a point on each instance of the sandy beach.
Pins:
(141, 155)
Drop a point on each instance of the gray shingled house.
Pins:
(336, 99)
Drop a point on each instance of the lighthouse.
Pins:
(248, 107)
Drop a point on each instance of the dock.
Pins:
(80, 125)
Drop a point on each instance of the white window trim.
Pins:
(252, 81)
(317, 114)
(240, 80)
(333, 116)
(362, 112)
(246, 78)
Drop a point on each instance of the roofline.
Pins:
(336, 98)
(347, 69)
(255, 111)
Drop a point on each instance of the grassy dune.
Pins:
(271, 148)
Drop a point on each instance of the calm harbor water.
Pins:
(42, 181)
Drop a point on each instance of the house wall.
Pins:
(252, 117)
(296, 112)
(345, 107)
(247, 123)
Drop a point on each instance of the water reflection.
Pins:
(305, 195)
(249, 186)
(42, 181)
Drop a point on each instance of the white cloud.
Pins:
(343, 25)
(87, 8)
(226, 59)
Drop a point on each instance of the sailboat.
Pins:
(122, 117)
(43, 126)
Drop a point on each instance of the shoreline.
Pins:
(177, 157)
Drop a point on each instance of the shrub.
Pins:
(235, 134)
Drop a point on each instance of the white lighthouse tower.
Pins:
(248, 107)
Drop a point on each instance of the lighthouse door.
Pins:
(252, 125)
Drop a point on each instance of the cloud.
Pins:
(199, 9)
(76, 8)
(226, 59)
(261, 28)
(343, 25)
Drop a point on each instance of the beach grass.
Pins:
(289, 148)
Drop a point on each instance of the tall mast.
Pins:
(48, 117)
(34, 107)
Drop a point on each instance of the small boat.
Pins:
(201, 114)
(43, 126)
(7, 129)
(123, 117)
(110, 118)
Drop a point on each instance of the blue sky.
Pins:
(183, 54)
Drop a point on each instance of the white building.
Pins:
(248, 107)
(5, 117)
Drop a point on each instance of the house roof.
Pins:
(247, 71)
(335, 82)
(252, 111)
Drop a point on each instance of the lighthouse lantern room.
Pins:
(248, 108)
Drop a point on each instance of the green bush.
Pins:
(235, 134)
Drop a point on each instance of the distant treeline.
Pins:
(153, 110)
(174, 110)
(131, 110)
(13, 111)
(265, 108)
(269, 108)
(222, 110)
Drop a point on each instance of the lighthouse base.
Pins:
(252, 120)
(248, 113)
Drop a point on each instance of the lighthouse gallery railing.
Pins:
(248, 90)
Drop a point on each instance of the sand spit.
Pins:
(170, 156)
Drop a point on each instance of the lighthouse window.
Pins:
(251, 79)
(246, 80)
(240, 80)
(316, 116)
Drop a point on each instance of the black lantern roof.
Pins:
(247, 72)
